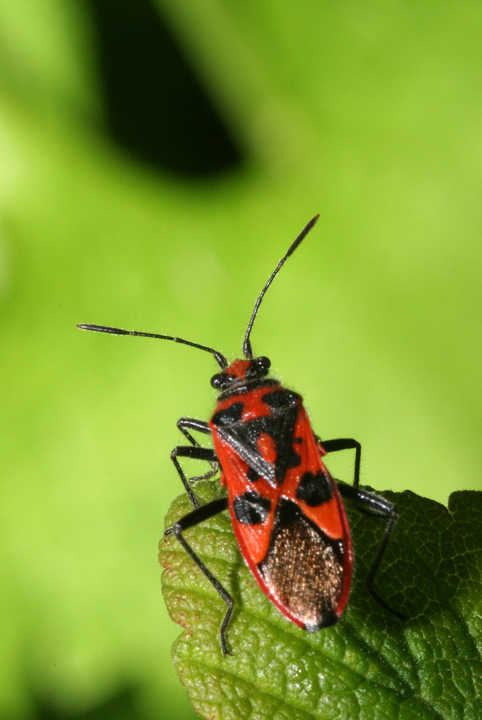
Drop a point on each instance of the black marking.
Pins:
(247, 386)
(303, 568)
(294, 460)
(237, 437)
(243, 437)
(329, 618)
(314, 489)
(279, 426)
(228, 416)
(251, 508)
(281, 399)
(298, 440)
(252, 475)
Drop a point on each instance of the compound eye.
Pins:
(264, 365)
(216, 381)
(221, 381)
(258, 367)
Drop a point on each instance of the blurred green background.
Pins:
(156, 160)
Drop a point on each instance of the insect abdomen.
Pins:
(303, 568)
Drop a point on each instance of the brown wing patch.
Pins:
(303, 568)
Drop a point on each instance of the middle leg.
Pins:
(344, 444)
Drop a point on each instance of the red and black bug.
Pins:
(287, 511)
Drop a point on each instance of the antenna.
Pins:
(220, 359)
(247, 350)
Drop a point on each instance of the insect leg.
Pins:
(184, 424)
(374, 505)
(345, 444)
(188, 521)
(198, 453)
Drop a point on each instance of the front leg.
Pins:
(184, 425)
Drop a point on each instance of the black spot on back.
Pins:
(279, 399)
(252, 475)
(293, 459)
(229, 415)
(251, 508)
(314, 489)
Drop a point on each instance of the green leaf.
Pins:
(370, 665)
